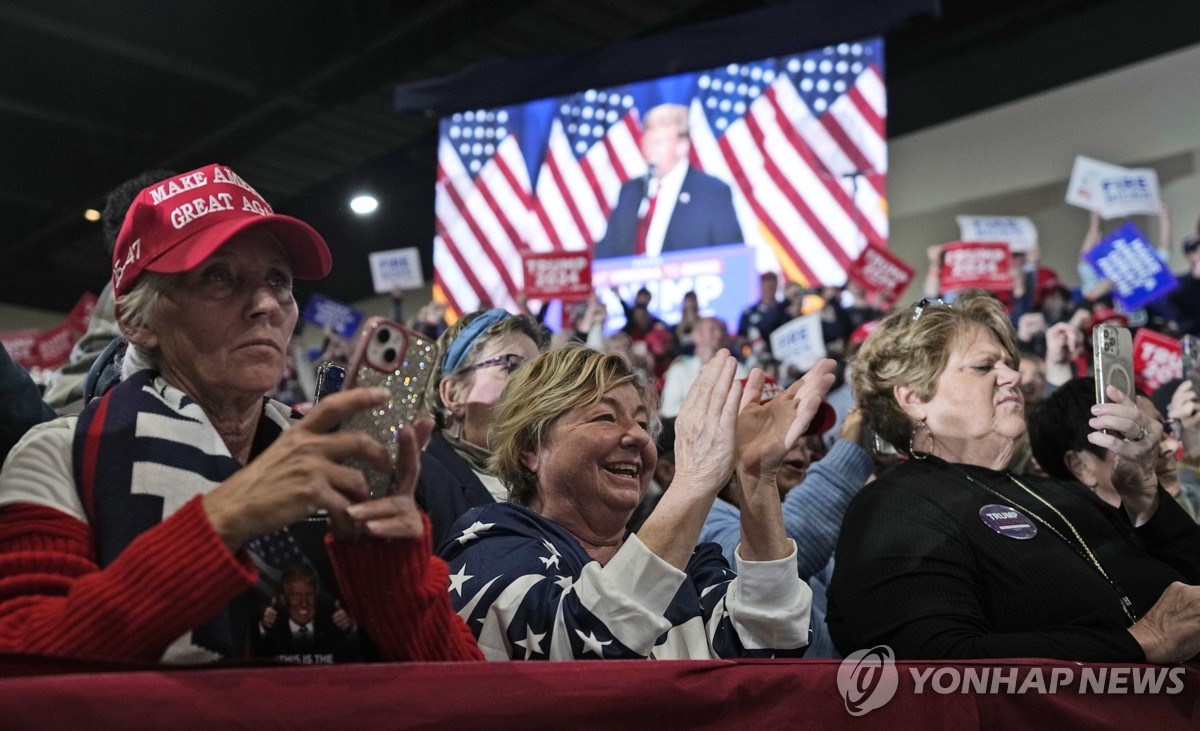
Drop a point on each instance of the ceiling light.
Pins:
(364, 204)
(92, 215)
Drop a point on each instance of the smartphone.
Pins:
(1190, 345)
(330, 377)
(1112, 350)
(390, 356)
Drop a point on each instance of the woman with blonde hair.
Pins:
(555, 575)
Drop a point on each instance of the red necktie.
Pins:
(644, 226)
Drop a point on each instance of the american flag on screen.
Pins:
(593, 148)
(800, 140)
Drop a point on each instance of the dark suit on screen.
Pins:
(703, 216)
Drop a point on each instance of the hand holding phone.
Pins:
(388, 355)
(1112, 348)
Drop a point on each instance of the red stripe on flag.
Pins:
(561, 183)
(547, 226)
(798, 202)
(866, 110)
(509, 230)
(467, 271)
(743, 183)
(828, 180)
(589, 174)
(480, 237)
(513, 183)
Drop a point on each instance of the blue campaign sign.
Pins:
(1127, 259)
(341, 319)
(723, 277)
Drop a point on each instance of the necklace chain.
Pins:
(1081, 547)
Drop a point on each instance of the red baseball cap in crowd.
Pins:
(1104, 314)
(863, 331)
(822, 421)
(174, 225)
(1047, 280)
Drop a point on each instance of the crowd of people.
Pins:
(944, 483)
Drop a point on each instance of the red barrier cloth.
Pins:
(614, 695)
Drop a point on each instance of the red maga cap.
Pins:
(821, 422)
(175, 224)
(1109, 315)
(863, 331)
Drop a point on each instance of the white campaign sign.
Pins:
(1017, 231)
(1111, 190)
(396, 269)
(799, 342)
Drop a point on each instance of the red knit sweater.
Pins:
(55, 600)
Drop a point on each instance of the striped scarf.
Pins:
(140, 453)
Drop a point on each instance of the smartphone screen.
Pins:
(330, 376)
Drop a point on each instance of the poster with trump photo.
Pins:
(1128, 260)
(882, 274)
(1017, 231)
(976, 265)
(785, 157)
(1157, 358)
(1111, 190)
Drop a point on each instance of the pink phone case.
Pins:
(390, 356)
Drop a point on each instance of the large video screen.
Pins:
(786, 157)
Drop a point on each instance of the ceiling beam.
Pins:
(107, 44)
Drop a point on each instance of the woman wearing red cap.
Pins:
(554, 575)
(140, 529)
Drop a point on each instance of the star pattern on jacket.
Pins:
(592, 643)
(532, 644)
(473, 531)
(458, 579)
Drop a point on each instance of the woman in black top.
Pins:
(950, 556)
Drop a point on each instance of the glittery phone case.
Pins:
(390, 356)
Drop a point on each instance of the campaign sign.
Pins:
(19, 344)
(723, 277)
(880, 273)
(976, 265)
(81, 313)
(799, 342)
(1127, 259)
(1111, 190)
(340, 319)
(396, 269)
(1017, 231)
(52, 347)
(1157, 358)
(563, 275)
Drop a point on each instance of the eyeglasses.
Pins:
(1173, 428)
(510, 361)
(919, 308)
